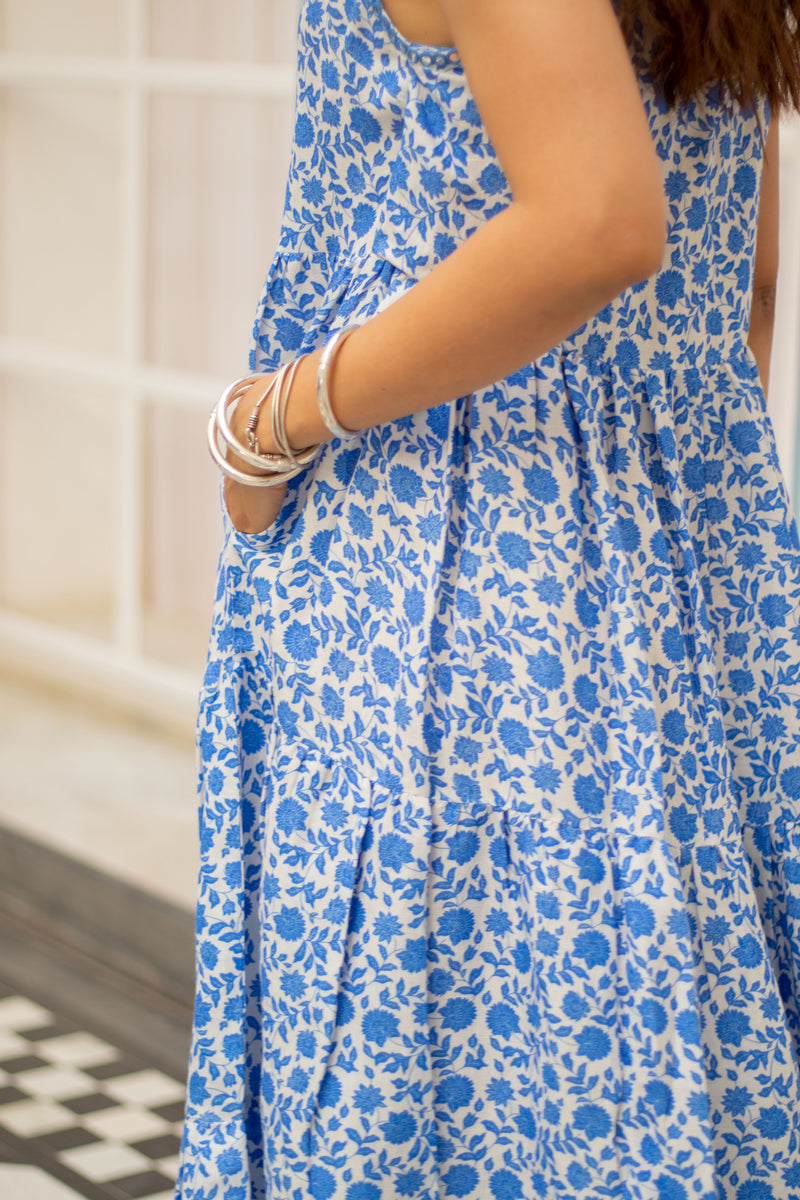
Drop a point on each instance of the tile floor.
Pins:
(80, 1117)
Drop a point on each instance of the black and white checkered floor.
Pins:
(78, 1116)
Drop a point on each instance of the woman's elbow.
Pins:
(635, 235)
(618, 233)
(644, 253)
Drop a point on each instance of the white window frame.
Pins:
(119, 669)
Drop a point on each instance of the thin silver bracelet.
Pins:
(277, 416)
(261, 461)
(230, 397)
(252, 424)
(323, 394)
(273, 479)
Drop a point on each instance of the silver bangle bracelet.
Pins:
(261, 462)
(323, 393)
(277, 416)
(273, 479)
(252, 424)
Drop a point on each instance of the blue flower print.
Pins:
(431, 117)
(732, 1027)
(363, 219)
(774, 610)
(670, 1189)
(748, 952)
(413, 957)
(578, 1177)
(458, 1014)
(592, 947)
(499, 725)
(772, 1123)
(502, 1020)
(379, 1026)
(399, 1128)
(290, 924)
(409, 1183)
(299, 641)
(546, 670)
(303, 132)
(293, 985)
(492, 180)
(756, 1189)
(790, 782)
(588, 795)
(653, 1015)
(676, 185)
(744, 437)
(658, 1094)
(321, 1183)
(593, 1043)
(514, 549)
(363, 1191)
(670, 289)
(505, 1185)
(745, 181)
(455, 1092)
(737, 1101)
(463, 846)
(514, 736)
(406, 484)
(386, 665)
(443, 245)
(290, 816)
(460, 1180)
(588, 612)
(639, 917)
(456, 925)
(357, 48)
(394, 851)
(592, 1120)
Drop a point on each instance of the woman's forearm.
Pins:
(514, 290)
(554, 87)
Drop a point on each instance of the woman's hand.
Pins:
(240, 417)
(251, 509)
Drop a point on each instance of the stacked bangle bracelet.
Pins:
(323, 393)
(273, 468)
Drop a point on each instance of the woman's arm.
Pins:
(765, 278)
(554, 86)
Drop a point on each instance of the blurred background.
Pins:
(143, 155)
(143, 150)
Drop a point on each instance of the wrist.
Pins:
(304, 426)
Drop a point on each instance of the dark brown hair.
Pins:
(751, 47)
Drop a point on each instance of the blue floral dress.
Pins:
(500, 746)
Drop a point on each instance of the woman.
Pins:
(500, 743)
